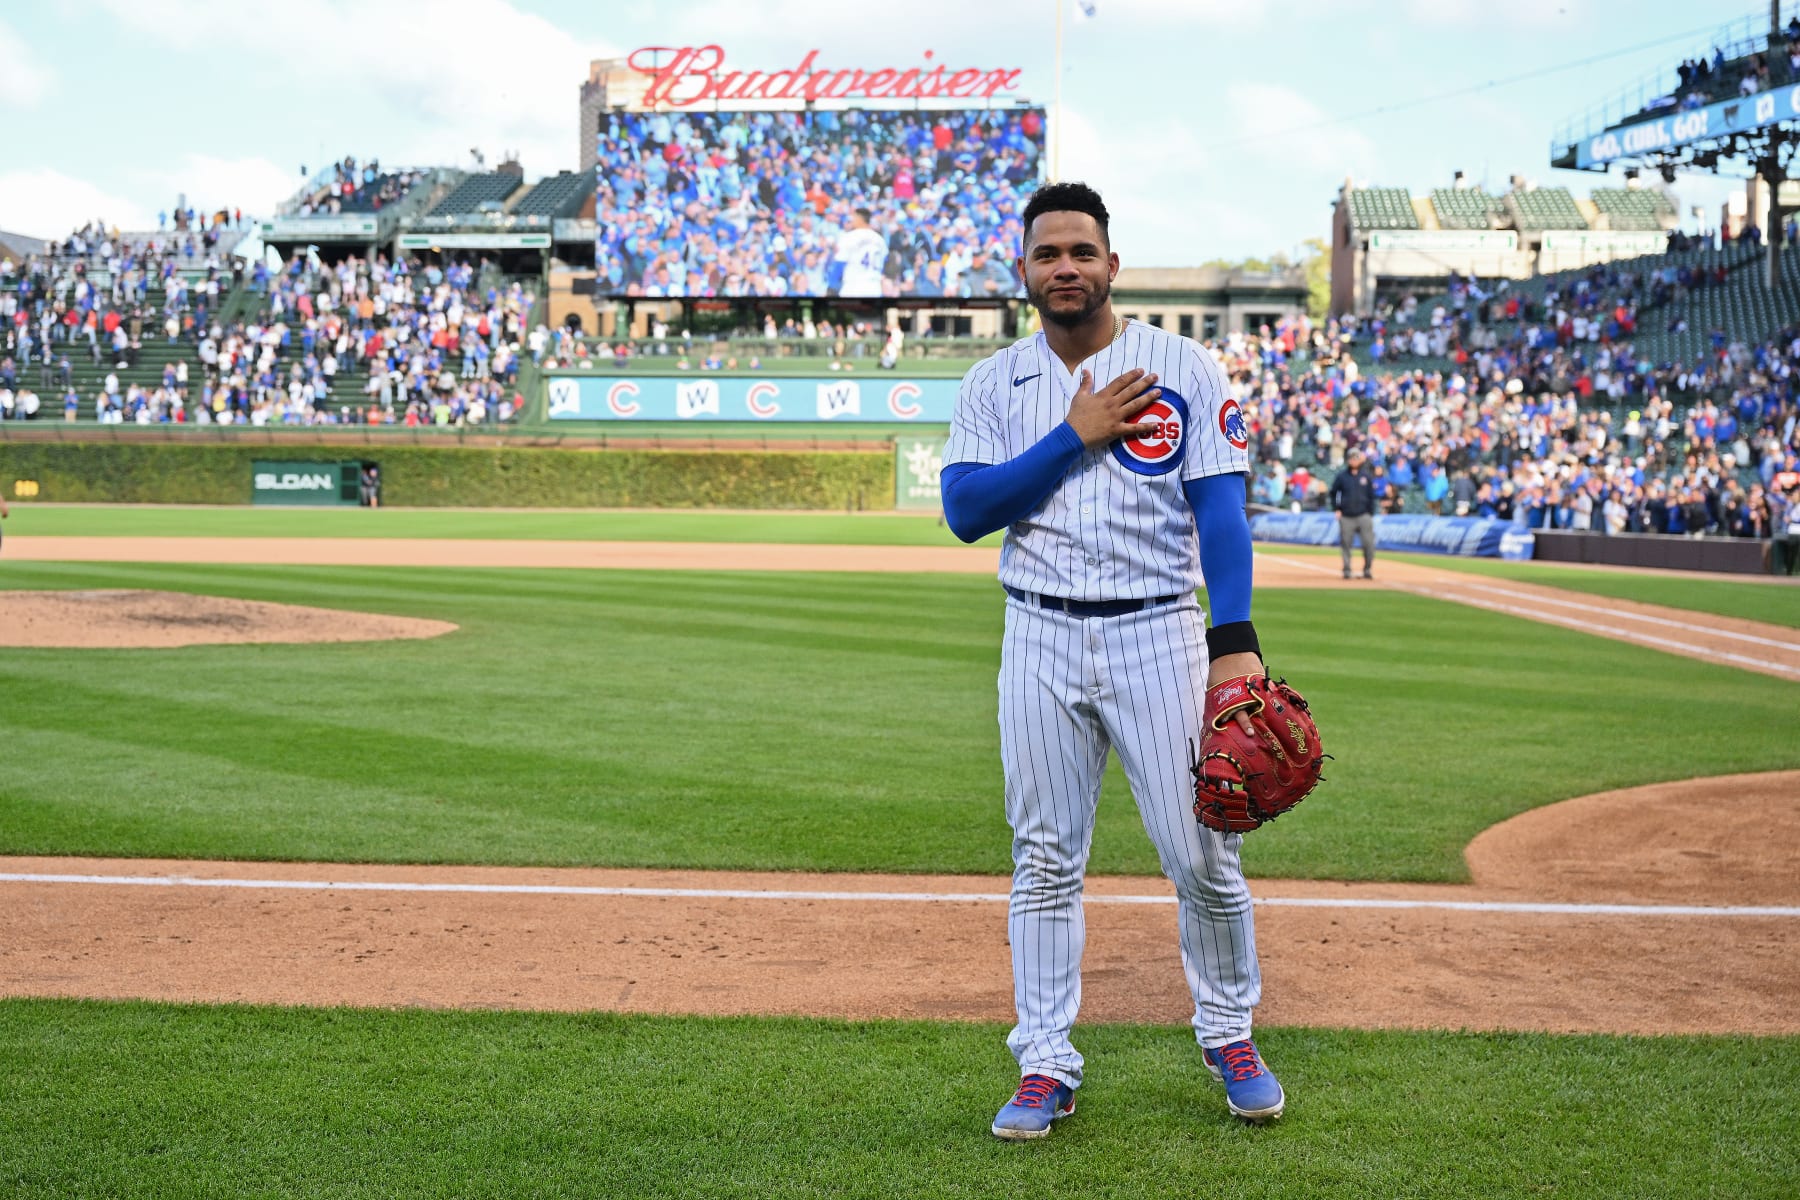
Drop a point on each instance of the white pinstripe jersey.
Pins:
(1117, 526)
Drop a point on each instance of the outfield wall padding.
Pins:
(431, 476)
(1738, 556)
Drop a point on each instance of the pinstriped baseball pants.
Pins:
(1070, 689)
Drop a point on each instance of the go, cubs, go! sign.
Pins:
(681, 76)
(1726, 117)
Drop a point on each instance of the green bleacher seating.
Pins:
(1634, 208)
(1466, 208)
(559, 195)
(89, 378)
(1544, 208)
(1382, 208)
(478, 193)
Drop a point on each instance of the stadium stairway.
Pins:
(89, 378)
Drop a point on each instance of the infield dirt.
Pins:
(1340, 963)
(1337, 964)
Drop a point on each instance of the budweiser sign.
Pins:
(687, 75)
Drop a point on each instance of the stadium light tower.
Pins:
(1653, 129)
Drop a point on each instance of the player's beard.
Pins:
(1069, 319)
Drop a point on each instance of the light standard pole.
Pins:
(1056, 115)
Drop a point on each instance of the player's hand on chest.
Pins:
(1102, 414)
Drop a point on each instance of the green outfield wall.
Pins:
(415, 475)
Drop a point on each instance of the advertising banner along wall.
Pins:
(735, 398)
(1417, 533)
(918, 466)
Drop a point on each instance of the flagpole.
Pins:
(1056, 111)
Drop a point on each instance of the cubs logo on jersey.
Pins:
(1157, 453)
(1232, 425)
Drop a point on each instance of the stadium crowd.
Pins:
(1553, 423)
(432, 346)
(766, 203)
(429, 346)
(347, 187)
(1492, 437)
(100, 291)
(1703, 80)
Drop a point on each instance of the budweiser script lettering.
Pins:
(688, 75)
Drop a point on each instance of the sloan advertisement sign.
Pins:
(314, 483)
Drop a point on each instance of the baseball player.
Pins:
(863, 252)
(1115, 457)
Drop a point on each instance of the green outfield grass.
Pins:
(697, 525)
(159, 1101)
(1775, 603)
(1754, 599)
(763, 720)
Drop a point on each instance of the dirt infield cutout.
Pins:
(1491, 955)
(127, 619)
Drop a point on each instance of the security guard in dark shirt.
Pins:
(1353, 498)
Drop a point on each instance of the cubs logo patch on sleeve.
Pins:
(1160, 452)
(1231, 424)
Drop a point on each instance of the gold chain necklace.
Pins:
(1118, 327)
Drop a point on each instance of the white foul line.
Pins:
(1624, 635)
(1626, 615)
(545, 889)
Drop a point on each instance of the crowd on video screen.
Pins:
(848, 203)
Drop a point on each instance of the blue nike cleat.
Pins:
(1251, 1089)
(1039, 1101)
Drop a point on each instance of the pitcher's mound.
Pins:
(154, 620)
(1727, 839)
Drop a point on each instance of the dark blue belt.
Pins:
(1090, 608)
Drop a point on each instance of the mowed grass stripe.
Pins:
(766, 721)
(30, 520)
(1777, 603)
(154, 1100)
(1751, 601)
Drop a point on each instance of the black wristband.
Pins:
(1233, 637)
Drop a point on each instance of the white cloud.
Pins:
(23, 79)
(1172, 203)
(475, 72)
(1280, 126)
(1515, 16)
(1252, 180)
(774, 34)
(255, 185)
(44, 203)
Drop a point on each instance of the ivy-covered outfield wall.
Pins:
(412, 475)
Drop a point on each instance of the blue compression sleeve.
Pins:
(980, 498)
(1218, 504)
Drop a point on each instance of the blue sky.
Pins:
(1213, 127)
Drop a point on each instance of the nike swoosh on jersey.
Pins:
(1021, 382)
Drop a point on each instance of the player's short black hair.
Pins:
(865, 214)
(1068, 197)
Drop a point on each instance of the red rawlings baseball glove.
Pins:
(1242, 780)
